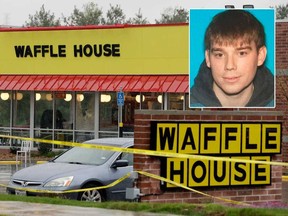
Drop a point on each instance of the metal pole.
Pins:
(120, 122)
(120, 102)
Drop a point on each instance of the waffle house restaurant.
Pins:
(62, 83)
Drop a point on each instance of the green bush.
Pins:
(44, 149)
(14, 149)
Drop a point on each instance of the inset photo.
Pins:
(232, 58)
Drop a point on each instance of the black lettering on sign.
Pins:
(208, 137)
(270, 137)
(188, 140)
(193, 171)
(97, 50)
(35, 51)
(229, 137)
(107, 50)
(260, 171)
(116, 50)
(221, 177)
(241, 176)
(248, 144)
(167, 136)
(180, 172)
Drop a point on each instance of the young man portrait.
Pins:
(233, 72)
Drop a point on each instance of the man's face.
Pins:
(234, 65)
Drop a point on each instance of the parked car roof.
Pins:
(123, 141)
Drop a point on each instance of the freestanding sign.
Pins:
(236, 140)
(120, 98)
(120, 103)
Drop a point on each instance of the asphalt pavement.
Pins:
(12, 208)
(15, 208)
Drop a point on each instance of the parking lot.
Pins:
(37, 209)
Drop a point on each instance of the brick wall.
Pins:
(282, 80)
(281, 45)
(151, 187)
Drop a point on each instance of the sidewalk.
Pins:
(12, 208)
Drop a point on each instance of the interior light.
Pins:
(105, 98)
(49, 97)
(38, 96)
(80, 97)
(19, 96)
(4, 96)
(68, 97)
(137, 98)
(160, 98)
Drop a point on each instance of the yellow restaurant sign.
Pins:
(241, 141)
(124, 49)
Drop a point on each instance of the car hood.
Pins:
(48, 171)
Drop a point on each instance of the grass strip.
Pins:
(164, 208)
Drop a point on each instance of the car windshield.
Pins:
(79, 155)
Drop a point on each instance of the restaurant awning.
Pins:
(128, 83)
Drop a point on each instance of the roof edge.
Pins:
(87, 27)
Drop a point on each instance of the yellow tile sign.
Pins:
(235, 140)
(124, 49)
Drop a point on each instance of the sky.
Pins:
(16, 12)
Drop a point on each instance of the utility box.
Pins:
(132, 193)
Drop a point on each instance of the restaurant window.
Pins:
(21, 109)
(20, 116)
(108, 112)
(176, 101)
(43, 110)
(187, 102)
(5, 103)
(130, 105)
(85, 111)
(43, 117)
(5, 110)
(151, 100)
(63, 117)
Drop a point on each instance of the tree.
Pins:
(174, 15)
(91, 15)
(115, 15)
(42, 18)
(138, 19)
(281, 11)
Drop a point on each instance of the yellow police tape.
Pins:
(141, 152)
(190, 189)
(120, 180)
(70, 191)
(145, 152)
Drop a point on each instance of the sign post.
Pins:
(120, 103)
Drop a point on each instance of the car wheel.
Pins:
(91, 195)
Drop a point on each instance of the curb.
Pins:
(9, 162)
(19, 162)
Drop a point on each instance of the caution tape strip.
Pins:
(190, 189)
(146, 152)
(122, 179)
(70, 191)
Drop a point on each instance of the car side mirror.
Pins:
(119, 163)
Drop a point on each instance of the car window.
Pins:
(128, 157)
(85, 156)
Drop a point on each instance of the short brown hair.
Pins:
(233, 24)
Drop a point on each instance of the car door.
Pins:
(117, 192)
